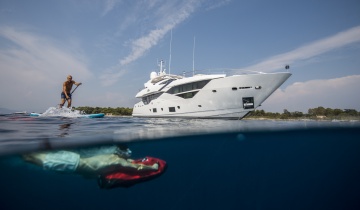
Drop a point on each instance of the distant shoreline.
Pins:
(306, 119)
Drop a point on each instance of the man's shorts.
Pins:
(61, 161)
(64, 96)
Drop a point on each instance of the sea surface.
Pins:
(211, 164)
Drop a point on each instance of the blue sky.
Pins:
(111, 46)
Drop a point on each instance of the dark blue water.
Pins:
(212, 164)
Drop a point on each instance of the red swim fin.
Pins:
(128, 178)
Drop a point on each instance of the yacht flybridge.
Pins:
(205, 95)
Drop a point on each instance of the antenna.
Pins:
(170, 51)
(160, 64)
(194, 57)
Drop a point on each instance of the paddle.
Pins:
(75, 89)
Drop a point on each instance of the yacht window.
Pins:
(214, 91)
(234, 88)
(188, 95)
(178, 107)
(154, 110)
(167, 81)
(188, 87)
(149, 98)
(257, 87)
(164, 82)
(248, 87)
(171, 109)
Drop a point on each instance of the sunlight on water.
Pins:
(63, 112)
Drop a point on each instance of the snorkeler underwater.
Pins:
(110, 165)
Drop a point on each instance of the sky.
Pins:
(112, 46)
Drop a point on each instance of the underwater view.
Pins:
(111, 105)
(137, 163)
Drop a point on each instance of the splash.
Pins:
(61, 112)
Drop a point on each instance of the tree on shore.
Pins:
(105, 110)
(315, 113)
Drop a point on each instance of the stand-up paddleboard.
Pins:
(100, 115)
(128, 178)
(33, 114)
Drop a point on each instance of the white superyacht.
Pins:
(205, 95)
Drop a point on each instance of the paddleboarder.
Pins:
(66, 94)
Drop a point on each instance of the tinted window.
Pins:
(188, 87)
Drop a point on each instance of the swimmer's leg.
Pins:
(37, 158)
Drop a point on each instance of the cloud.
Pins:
(35, 53)
(143, 44)
(112, 76)
(336, 41)
(109, 6)
(31, 67)
(217, 4)
(332, 93)
(165, 17)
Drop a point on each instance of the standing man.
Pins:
(66, 91)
